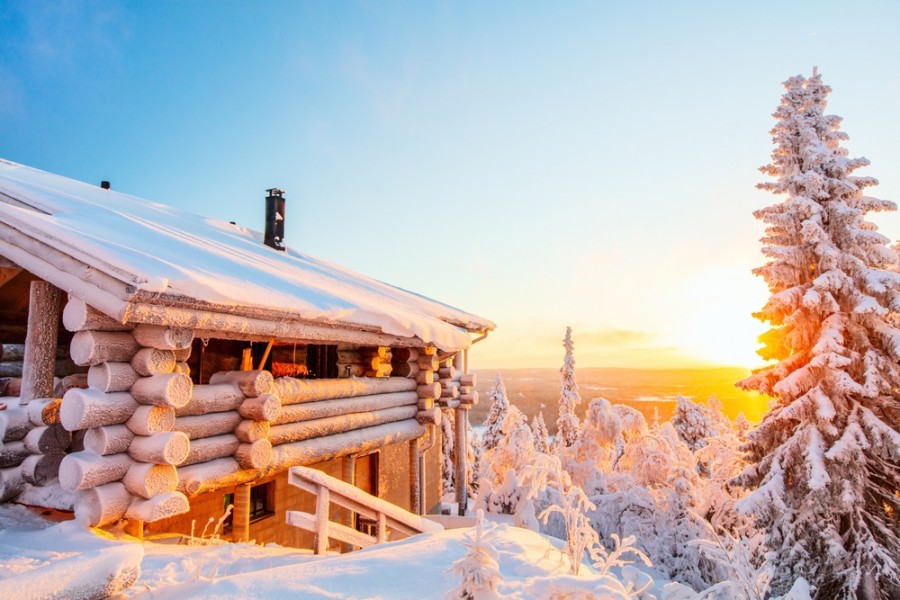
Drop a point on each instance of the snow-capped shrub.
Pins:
(478, 570)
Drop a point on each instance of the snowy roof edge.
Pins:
(115, 272)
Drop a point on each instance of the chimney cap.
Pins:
(275, 192)
(104, 184)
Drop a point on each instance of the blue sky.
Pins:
(540, 164)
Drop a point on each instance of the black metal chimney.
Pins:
(274, 236)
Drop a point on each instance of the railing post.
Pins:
(348, 468)
(322, 509)
(381, 529)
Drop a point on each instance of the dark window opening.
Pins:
(262, 501)
(321, 361)
(229, 501)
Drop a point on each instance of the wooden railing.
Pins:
(327, 489)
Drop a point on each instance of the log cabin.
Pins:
(161, 371)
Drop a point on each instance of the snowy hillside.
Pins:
(40, 559)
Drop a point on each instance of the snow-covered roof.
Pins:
(141, 261)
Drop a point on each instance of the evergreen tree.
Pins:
(567, 423)
(448, 471)
(493, 423)
(826, 457)
(541, 437)
(692, 423)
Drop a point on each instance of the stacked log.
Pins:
(127, 469)
(14, 427)
(47, 442)
(350, 362)
(229, 418)
(428, 389)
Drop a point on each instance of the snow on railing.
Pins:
(328, 489)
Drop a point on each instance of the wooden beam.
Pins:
(7, 274)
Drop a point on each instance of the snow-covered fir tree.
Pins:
(473, 461)
(448, 471)
(826, 457)
(541, 436)
(569, 398)
(493, 423)
(478, 569)
(692, 423)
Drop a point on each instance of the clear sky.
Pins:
(541, 164)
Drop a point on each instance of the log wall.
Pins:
(146, 438)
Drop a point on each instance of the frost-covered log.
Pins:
(153, 361)
(251, 383)
(468, 379)
(147, 480)
(12, 454)
(112, 376)
(163, 338)
(182, 354)
(39, 362)
(14, 423)
(429, 417)
(183, 368)
(78, 316)
(303, 430)
(256, 455)
(205, 426)
(330, 408)
(449, 373)
(11, 483)
(162, 448)
(429, 391)
(295, 391)
(213, 475)
(16, 352)
(83, 409)
(90, 575)
(212, 398)
(102, 505)
(249, 430)
(211, 448)
(169, 389)
(41, 469)
(158, 507)
(429, 362)
(470, 399)
(94, 347)
(264, 408)
(362, 441)
(48, 439)
(44, 411)
(84, 470)
(111, 439)
(148, 420)
(424, 377)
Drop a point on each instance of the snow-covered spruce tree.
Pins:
(826, 457)
(541, 437)
(473, 461)
(478, 569)
(569, 398)
(448, 471)
(493, 423)
(692, 423)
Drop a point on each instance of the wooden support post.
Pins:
(240, 515)
(415, 489)
(322, 510)
(381, 535)
(462, 496)
(40, 342)
(348, 475)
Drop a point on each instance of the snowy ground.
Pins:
(40, 559)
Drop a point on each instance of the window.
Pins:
(229, 501)
(262, 501)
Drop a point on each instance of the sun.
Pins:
(715, 324)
